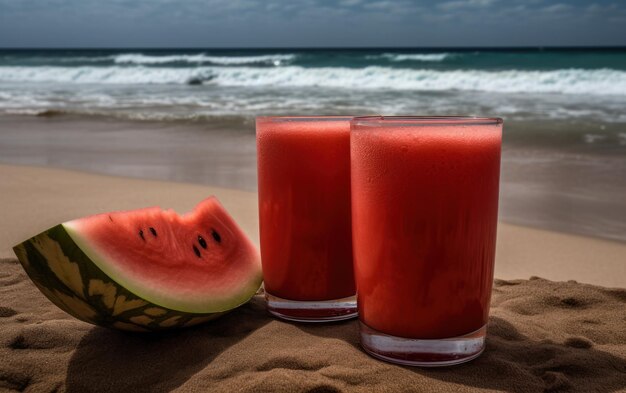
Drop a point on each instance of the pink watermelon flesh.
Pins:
(200, 262)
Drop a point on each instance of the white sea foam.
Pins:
(565, 81)
(138, 58)
(100, 75)
(414, 56)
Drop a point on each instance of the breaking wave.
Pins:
(138, 58)
(564, 81)
(428, 57)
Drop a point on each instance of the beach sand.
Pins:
(34, 199)
(544, 182)
(543, 335)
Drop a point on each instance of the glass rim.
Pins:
(287, 119)
(425, 120)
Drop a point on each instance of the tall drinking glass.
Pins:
(424, 217)
(304, 211)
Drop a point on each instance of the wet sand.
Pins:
(207, 153)
(557, 186)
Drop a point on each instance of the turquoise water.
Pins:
(537, 59)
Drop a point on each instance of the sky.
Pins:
(311, 23)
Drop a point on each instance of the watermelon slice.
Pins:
(147, 269)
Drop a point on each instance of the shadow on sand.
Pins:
(110, 361)
(114, 361)
(513, 362)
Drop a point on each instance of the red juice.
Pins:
(304, 208)
(424, 210)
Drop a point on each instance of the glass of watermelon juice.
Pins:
(424, 217)
(304, 212)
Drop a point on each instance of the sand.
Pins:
(210, 153)
(543, 335)
(50, 196)
(545, 183)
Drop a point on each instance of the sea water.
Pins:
(189, 84)
(564, 151)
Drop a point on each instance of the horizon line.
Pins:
(458, 48)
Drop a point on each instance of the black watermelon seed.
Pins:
(153, 231)
(195, 249)
(141, 235)
(202, 242)
(216, 235)
(110, 219)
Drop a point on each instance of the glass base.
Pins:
(312, 311)
(424, 353)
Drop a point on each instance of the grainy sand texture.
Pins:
(543, 335)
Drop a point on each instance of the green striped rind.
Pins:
(63, 273)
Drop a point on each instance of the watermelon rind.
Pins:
(73, 280)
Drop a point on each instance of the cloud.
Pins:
(310, 22)
(349, 3)
(558, 7)
(460, 4)
(379, 5)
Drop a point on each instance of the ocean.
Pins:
(564, 162)
(196, 84)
